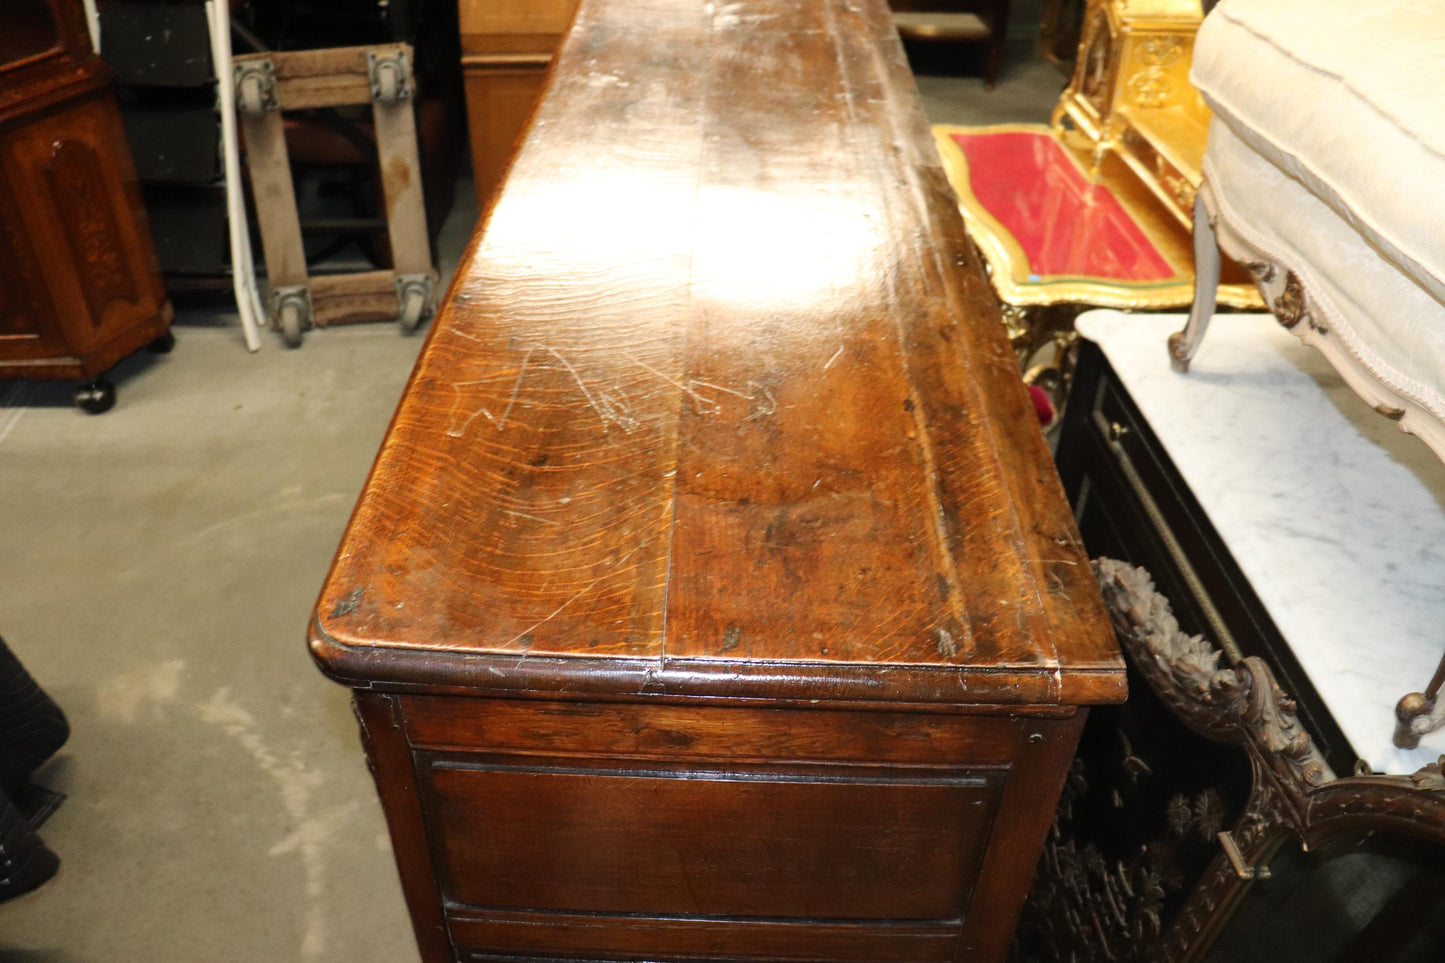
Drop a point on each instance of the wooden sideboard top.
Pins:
(719, 403)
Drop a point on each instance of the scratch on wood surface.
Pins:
(531, 629)
(731, 637)
(455, 430)
(763, 401)
(947, 647)
(836, 355)
(535, 518)
(611, 406)
(758, 395)
(705, 405)
(349, 604)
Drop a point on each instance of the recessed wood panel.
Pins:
(25, 308)
(500, 99)
(709, 844)
(79, 191)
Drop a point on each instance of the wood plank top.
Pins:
(720, 402)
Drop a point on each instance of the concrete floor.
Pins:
(158, 565)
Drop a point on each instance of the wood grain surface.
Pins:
(720, 403)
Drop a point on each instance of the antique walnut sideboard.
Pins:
(714, 596)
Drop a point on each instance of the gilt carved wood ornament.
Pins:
(1119, 912)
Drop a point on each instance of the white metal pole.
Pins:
(243, 270)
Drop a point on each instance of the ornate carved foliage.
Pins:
(1090, 906)
(1152, 86)
(1242, 702)
(1413, 804)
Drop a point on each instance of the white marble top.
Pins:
(1335, 516)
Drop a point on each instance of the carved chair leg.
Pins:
(1183, 344)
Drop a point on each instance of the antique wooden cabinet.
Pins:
(506, 48)
(79, 284)
(713, 596)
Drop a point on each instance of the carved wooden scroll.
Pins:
(1144, 906)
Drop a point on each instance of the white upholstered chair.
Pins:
(1325, 175)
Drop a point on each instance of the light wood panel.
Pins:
(507, 46)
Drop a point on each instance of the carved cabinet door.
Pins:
(77, 269)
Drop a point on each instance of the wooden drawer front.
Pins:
(674, 732)
(709, 843)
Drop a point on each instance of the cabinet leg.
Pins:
(1183, 344)
(95, 397)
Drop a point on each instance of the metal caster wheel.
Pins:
(291, 313)
(289, 320)
(95, 397)
(387, 86)
(252, 98)
(413, 297)
(390, 76)
(255, 83)
(162, 344)
(411, 310)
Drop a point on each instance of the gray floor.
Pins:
(159, 566)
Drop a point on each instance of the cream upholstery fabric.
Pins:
(1392, 325)
(1348, 97)
(1328, 153)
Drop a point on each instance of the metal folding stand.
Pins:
(268, 83)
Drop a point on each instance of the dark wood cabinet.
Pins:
(79, 284)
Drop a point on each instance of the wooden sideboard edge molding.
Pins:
(813, 683)
(483, 60)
